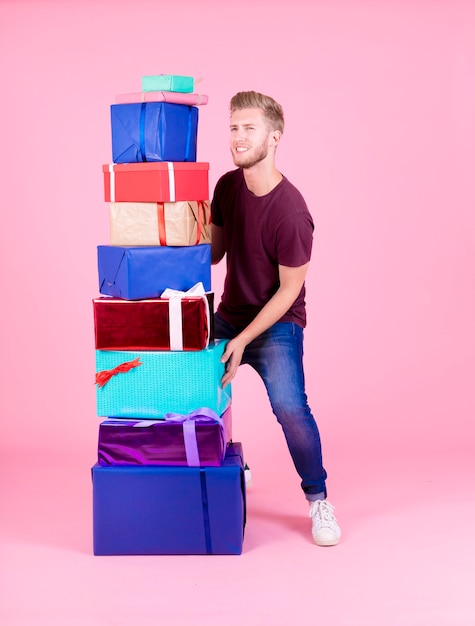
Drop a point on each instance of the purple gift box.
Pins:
(198, 439)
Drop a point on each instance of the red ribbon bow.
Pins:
(103, 377)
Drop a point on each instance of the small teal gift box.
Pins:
(168, 82)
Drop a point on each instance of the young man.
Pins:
(263, 226)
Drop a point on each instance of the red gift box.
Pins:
(156, 181)
(184, 323)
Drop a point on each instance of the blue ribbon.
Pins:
(142, 156)
(204, 504)
(142, 152)
(188, 136)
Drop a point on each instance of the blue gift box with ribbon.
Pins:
(149, 384)
(150, 509)
(140, 272)
(153, 131)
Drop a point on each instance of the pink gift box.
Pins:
(175, 97)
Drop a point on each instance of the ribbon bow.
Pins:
(189, 422)
(103, 377)
(174, 306)
(197, 290)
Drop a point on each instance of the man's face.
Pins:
(249, 137)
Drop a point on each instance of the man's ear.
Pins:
(276, 135)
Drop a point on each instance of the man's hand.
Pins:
(232, 357)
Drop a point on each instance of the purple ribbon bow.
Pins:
(189, 421)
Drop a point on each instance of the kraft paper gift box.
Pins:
(198, 439)
(168, 82)
(150, 384)
(160, 223)
(155, 182)
(153, 131)
(141, 272)
(146, 509)
(175, 323)
(192, 99)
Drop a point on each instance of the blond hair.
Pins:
(271, 109)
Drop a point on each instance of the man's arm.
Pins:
(218, 246)
(291, 281)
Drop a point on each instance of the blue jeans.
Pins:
(277, 355)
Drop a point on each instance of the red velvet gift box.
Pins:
(156, 182)
(184, 323)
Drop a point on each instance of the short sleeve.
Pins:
(295, 239)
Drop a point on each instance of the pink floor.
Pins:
(406, 558)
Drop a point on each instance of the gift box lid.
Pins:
(151, 166)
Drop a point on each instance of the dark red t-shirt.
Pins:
(261, 233)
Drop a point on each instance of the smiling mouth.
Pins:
(241, 149)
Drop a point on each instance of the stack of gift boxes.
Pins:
(168, 478)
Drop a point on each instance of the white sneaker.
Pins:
(247, 475)
(325, 529)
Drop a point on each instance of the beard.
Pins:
(252, 157)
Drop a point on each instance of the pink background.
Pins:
(379, 100)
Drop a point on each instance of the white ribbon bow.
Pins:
(174, 311)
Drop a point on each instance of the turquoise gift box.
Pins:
(168, 82)
(149, 384)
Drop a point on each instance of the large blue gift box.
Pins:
(150, 384)
(140, 272)
(154, 131)
(170, 510)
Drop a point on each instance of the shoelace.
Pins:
(324, 511)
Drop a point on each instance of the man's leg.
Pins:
(277, 357)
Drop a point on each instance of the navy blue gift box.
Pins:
(141, 272)
(150, 509)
